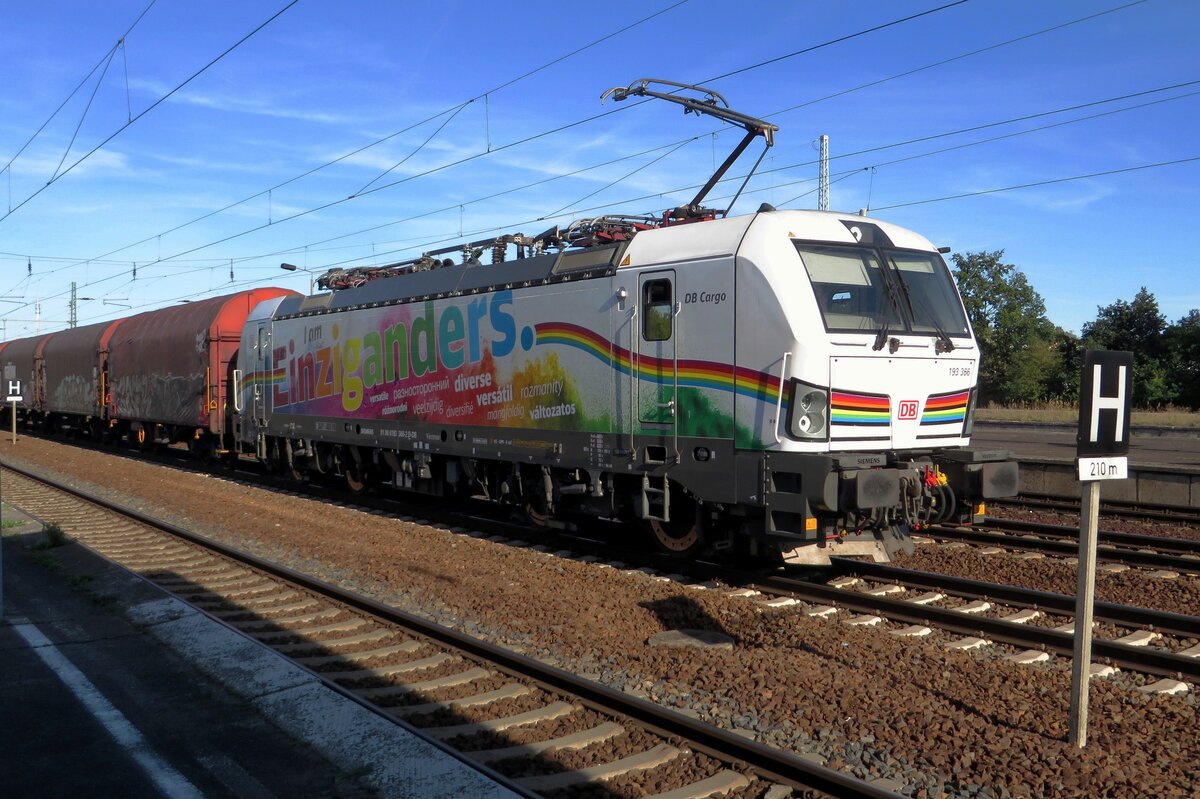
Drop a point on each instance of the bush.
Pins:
(55, 536)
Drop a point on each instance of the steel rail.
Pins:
(1109, 612)
(1150, 661)
(1130, 510)
(1109, 554)
(773, 764)
(1181, 546)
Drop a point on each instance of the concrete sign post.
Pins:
(1102, 450)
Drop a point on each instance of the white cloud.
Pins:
(43, 163)
(1066, 197)
(243, 104)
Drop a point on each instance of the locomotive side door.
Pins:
(263, 368)
(656, 366)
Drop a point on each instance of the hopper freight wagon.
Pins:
(801, 381)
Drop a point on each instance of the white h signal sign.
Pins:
(1106, 384)
(1116, 403)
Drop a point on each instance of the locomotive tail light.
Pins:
(809, 411)
(979, 510)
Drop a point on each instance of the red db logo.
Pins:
(908, 410)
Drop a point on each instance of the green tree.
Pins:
(1183, 350)
(1020, 349)
(1139, 327)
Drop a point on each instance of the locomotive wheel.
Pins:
(356, 479)
(681, 537)
(536, 512)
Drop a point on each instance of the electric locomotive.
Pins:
(796, 383)
(801, 382)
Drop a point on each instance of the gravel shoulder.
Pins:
(944, 723)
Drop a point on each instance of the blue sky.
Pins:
(325, 79)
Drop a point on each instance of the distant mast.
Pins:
(823, 176)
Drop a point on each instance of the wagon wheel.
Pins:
(144, 439)
(682, 536)
(202, 448)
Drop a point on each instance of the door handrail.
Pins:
(779, 399)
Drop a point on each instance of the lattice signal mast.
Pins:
(823, 176)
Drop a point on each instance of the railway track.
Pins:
(1148, 552)
(1123, 633)
(994, 612)
(1183, 547)
(1141, 511)
(536, 727)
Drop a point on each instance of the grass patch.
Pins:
(47, 561)
(80, 581)
(53, 536)
(9, 524)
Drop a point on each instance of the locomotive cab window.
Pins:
(930, 288)
(882, 290)
(657, 310)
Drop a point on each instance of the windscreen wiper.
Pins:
(943, 344)
(889, 286)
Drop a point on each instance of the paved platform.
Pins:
(110, 687)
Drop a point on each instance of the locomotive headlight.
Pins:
(810, 409)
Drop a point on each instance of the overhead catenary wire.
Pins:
(148, 109)
(175, 257)
(628, 200)
(534, 137)
(394, 134)
(970, 53)
(509, 226)
(104, 59)
(510, 145)
(1034, 184)
(878, 148)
